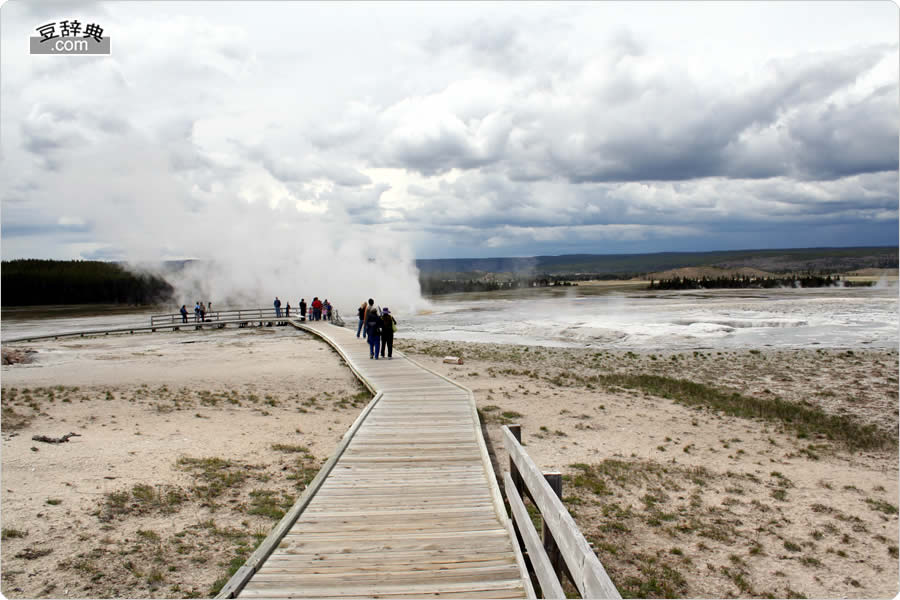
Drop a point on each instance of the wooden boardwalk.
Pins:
(409, 508)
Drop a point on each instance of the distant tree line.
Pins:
(746, 281)
(819, 260)
(434, 285)
(32, 282)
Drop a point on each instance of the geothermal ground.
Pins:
(704, 474)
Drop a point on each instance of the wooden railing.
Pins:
(216, 315)
(173, 321)
(230, 315)
(563, 549)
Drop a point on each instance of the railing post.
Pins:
(550, 547)
(516, 430)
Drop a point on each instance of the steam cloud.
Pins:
(251, 239)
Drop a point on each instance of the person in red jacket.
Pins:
(317, 309)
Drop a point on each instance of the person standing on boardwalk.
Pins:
(361, 312)
(183, 312)
(287, 310)
(373, 329)
(387, 332)
(327, 309)
(202, 312)
(302, 309)
(197, 311)
(277, 304)
(317, 309)
(367, 306)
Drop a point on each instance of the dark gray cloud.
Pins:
(839, 141)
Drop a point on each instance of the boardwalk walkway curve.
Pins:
(407, 506)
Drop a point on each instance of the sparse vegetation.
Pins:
(12, 532)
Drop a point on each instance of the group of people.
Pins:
(375, 324)
(379, 329)
(200, 311)
(318, 310)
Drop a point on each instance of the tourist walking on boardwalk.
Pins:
(387, 332)
(327, 309)
(361, 312)
(373, 329)
(302, 309)
(368, 306)
(277, 304)
(183, 312)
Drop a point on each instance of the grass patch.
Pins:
(10, 532)
(214, 476)
(142, 499)
(269, 503)
(150, 536)
(804, 419)
(882, 506)
(33, 553)
(290, 448)
(655, 578)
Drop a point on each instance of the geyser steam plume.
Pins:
(253, 238)
(248, 258)
(303, 260)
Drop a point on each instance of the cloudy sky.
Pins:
(449, 130)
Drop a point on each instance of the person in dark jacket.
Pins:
(387, 332)
(361, 312)
(183, 312)
(302, 309)
(373, 331)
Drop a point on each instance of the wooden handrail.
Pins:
(540, 562)
(227, 315)
(584, 568)
(216, 315)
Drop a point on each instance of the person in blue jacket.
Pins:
(373, 330)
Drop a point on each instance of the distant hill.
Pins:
(820, 260)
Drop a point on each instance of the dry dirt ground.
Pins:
(191, 445)
(681, 499)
